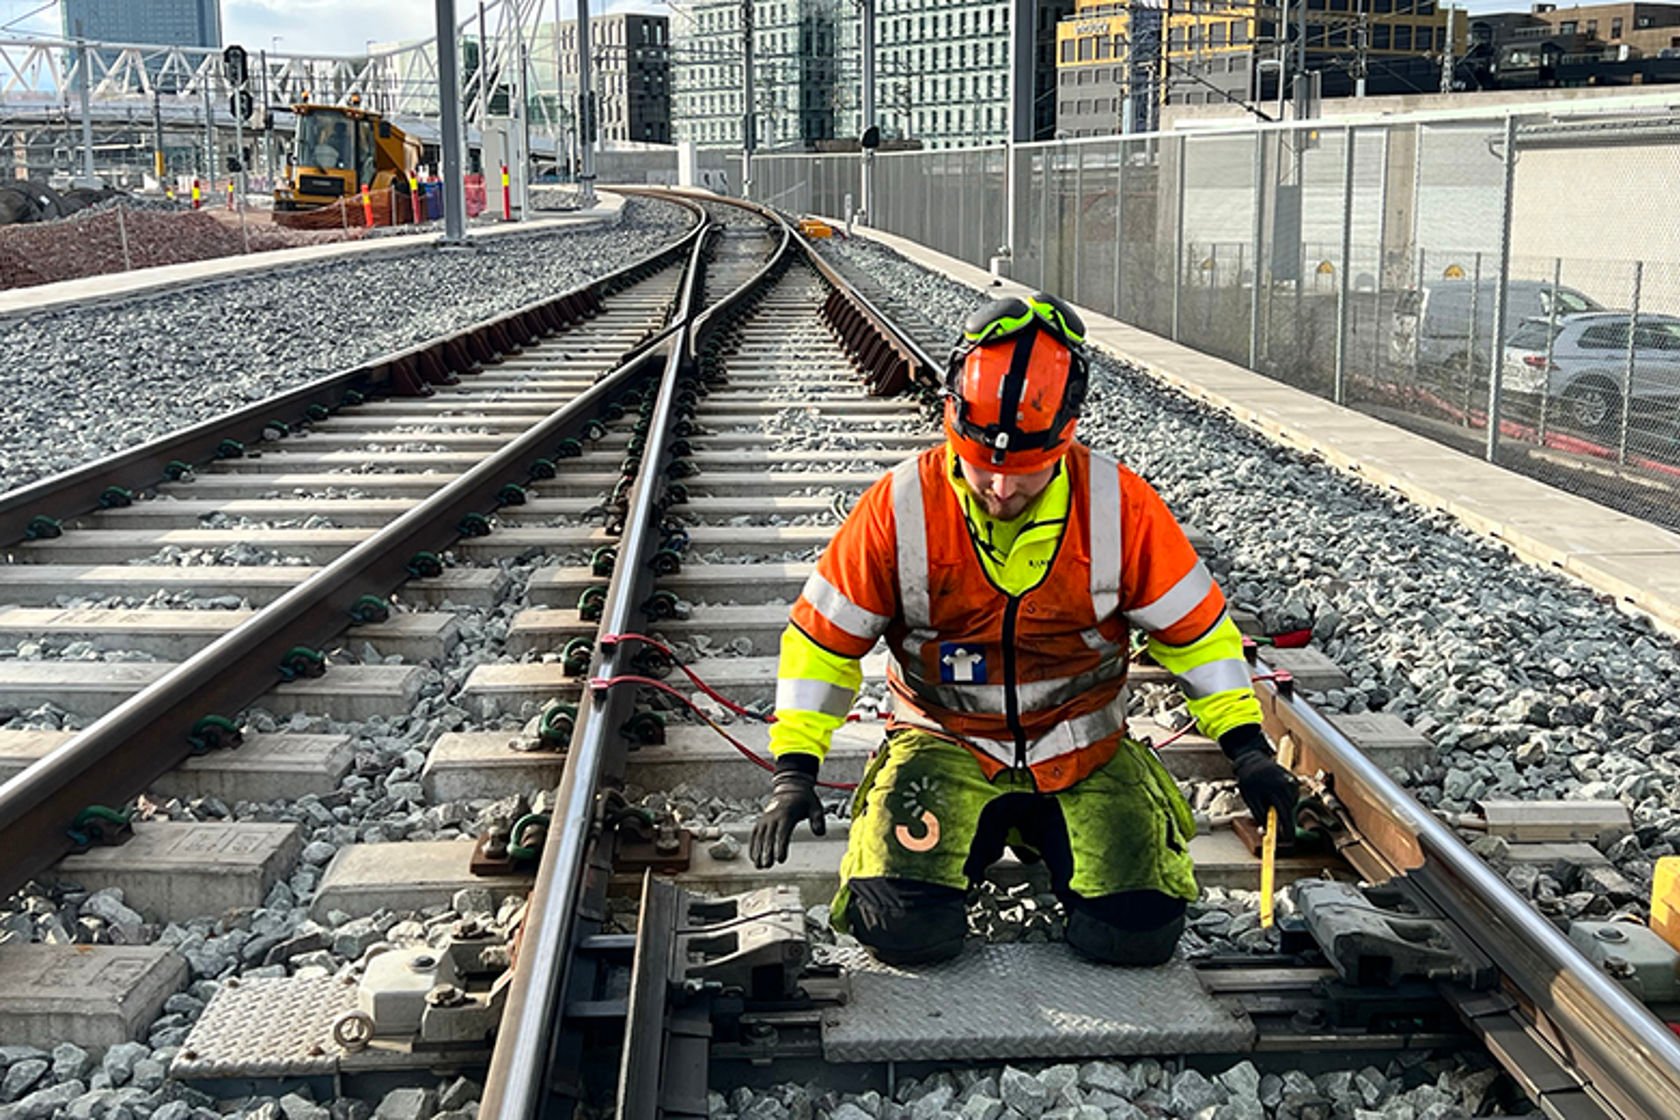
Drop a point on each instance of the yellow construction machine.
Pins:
(338, 150)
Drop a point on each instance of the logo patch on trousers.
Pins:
(961, 664)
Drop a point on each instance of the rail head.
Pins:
(1628, 1058)
(892, 361)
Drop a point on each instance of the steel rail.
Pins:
(1623, 1053)
(572, 874)
(410, 371)
(891, 359)
(119, 755)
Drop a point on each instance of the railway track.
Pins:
(505, 692)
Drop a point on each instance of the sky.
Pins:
(346, 26)
(306, 26)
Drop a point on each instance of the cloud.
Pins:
(324, 26)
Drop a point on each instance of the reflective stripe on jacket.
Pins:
(1030, 679)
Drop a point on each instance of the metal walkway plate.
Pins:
(280, 1027)
(267, 1027)
(1016, 1001)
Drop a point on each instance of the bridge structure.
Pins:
(138, 95)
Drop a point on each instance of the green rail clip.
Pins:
(425, 565)
(100, 824)
(214, 733)
(116, 497)
(576, 656)
(300, 662)
(555, 726)
(43, 528)
(525, 841)
(645, 729)
(370, 608)
(592, 603)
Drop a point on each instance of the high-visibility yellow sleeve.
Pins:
(1214, 676)
(815, 688)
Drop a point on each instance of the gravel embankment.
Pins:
(86, 382)
(1531, 686)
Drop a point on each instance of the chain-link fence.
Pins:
(1434, 271)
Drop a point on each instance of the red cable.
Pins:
(751, 755)
(744, 713)
(747, 713)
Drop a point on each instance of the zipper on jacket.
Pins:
(1011, 698)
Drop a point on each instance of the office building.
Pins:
(1226, 51)
(173, 23)
(943, 71)
(796, 72)
(630, 62)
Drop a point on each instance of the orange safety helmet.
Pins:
(1015, 384)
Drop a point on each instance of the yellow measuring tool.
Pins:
(1269, 843)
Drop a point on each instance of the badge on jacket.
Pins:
(961, 664)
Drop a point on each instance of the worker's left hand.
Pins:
(1264, 784)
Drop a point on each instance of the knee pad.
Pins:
(903, 921)
(1096, 929)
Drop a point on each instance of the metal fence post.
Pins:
(1119, 227)
(1470, 339)
(927, 205)
(1344, 272)
(1078, 217)
(1259, 234)
(1551, 331)
(1042, 280)
(1627, 371)
(1178, 234)
(122, 235)
(1501, 291)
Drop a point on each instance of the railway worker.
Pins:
(1006, 569)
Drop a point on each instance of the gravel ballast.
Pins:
(1532, 687)
(89, 381)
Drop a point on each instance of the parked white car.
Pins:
(1431, 332)
(1588, 365)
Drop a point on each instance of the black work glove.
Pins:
(1262, 782)
(793, 798)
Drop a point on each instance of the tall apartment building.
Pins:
(796, 72)
(941, 67)
(630, 60)
(174, 23)
(943, 70)
(1213, 49)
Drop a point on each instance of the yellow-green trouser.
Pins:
(918, 810)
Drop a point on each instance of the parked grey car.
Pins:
(1588, 366)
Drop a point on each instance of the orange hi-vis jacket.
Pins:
(1034, 679)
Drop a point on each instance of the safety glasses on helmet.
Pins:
(1004, 318)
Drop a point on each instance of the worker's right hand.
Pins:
(793, 798)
